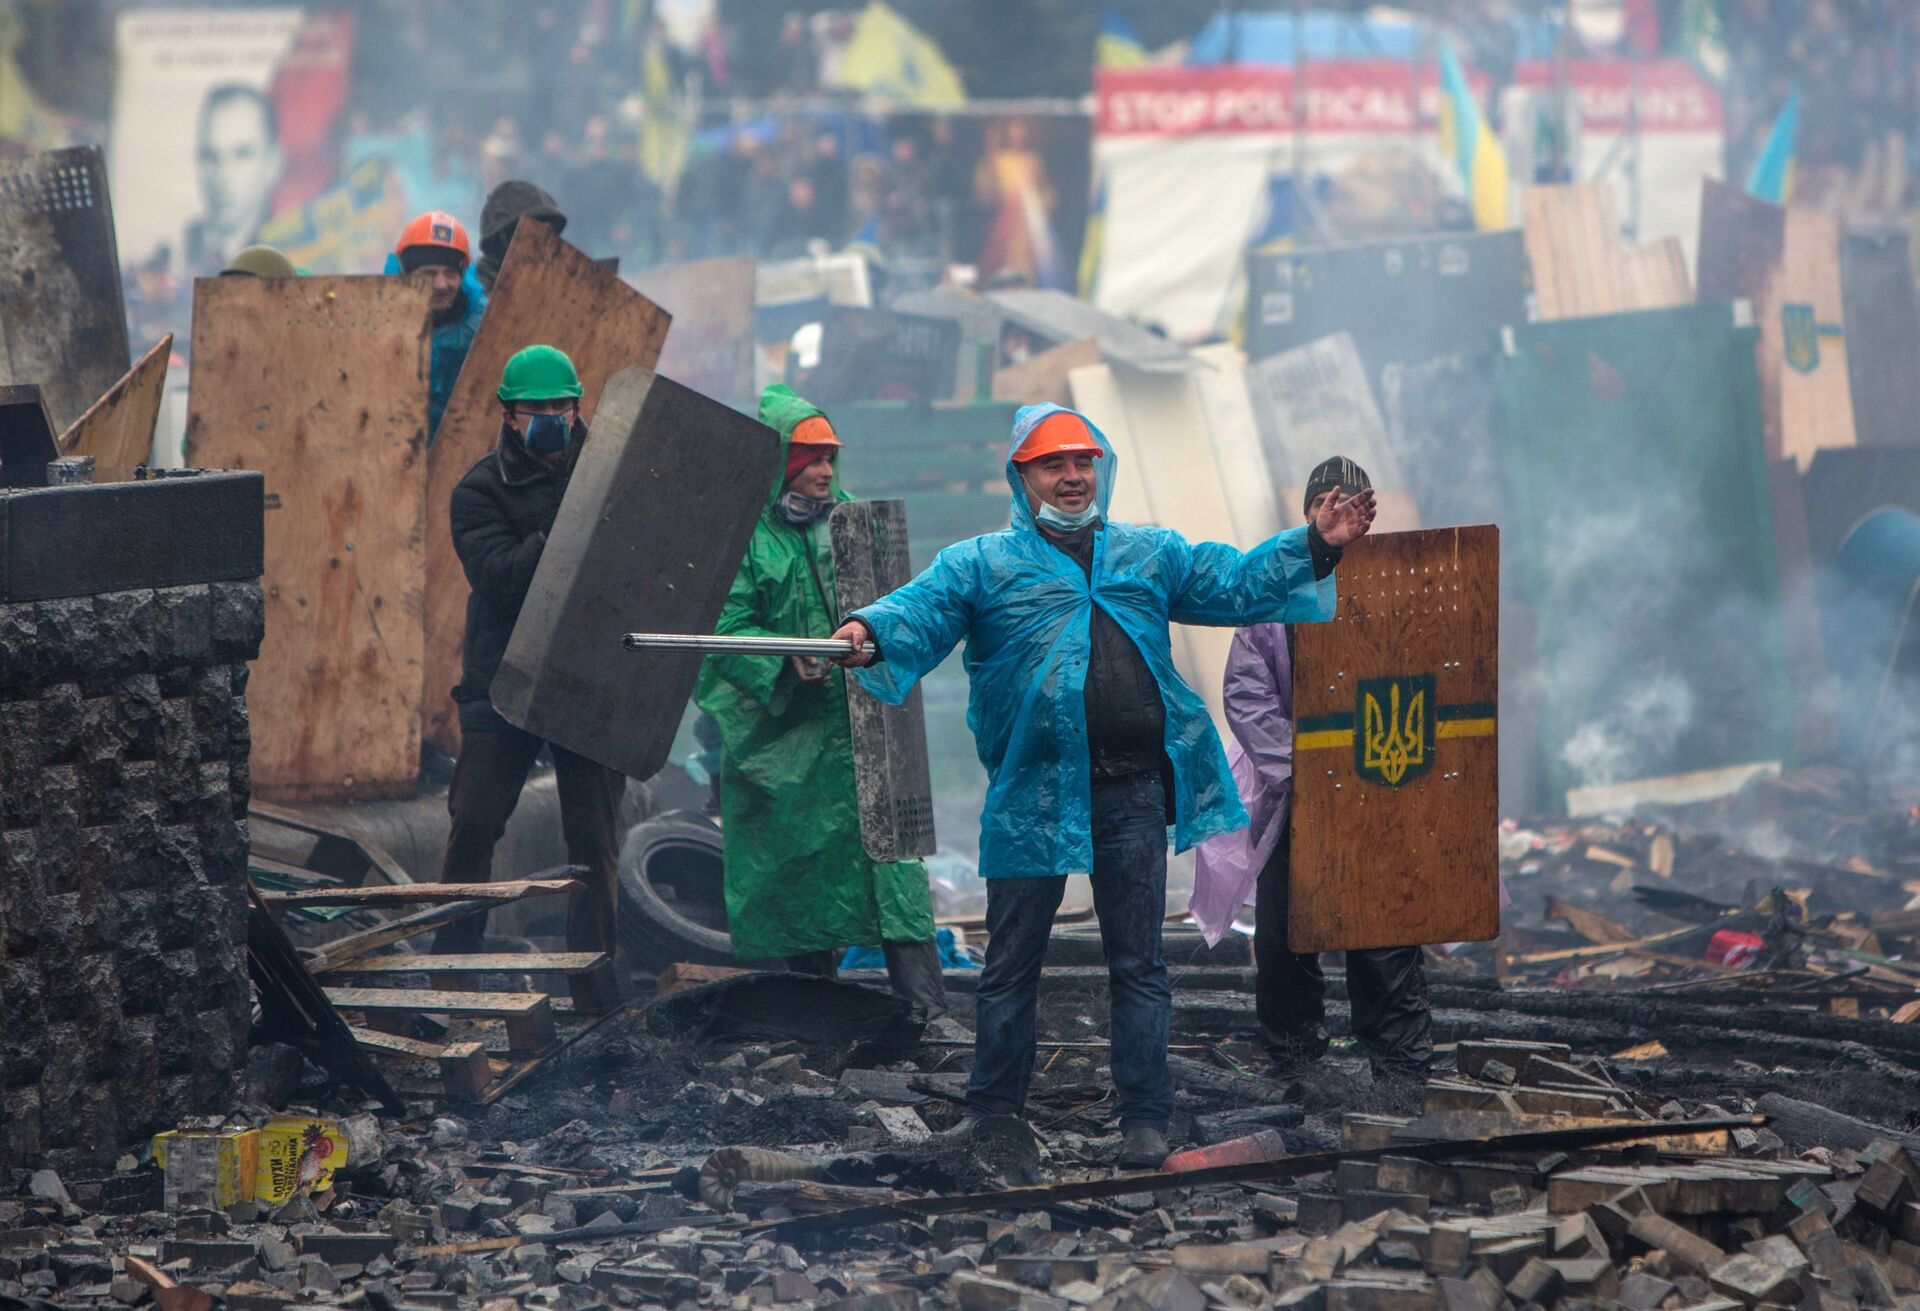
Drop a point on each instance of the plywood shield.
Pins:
(1396, 777)
(870, 559)
(62, 323)
(117, 429)
(547, 293)
(652, 531)
(321, 385)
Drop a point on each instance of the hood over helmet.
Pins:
(1025, 420)
(783, 411)
(506, 205)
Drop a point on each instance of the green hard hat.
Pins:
(540, 373)
(261, 262)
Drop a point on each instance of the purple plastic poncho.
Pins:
(1258, 695)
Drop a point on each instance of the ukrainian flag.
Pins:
(1477, 154)
(1118, 45)
(1772, 176)
(888, 56)
(1093, 245)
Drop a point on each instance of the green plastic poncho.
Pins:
(797, 877)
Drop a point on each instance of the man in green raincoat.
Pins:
(799, 883)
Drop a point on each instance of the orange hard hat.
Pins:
(1060, 433)
(814, 430)
(434, 228)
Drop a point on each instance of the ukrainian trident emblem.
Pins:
(1801, 336)
(1395, 742)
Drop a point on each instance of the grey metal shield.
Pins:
(889, 742)
(62, 324)
(650, 536)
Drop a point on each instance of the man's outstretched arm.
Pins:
(915, 627)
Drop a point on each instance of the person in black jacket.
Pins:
(502, 512)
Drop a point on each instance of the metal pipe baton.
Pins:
(708, 644)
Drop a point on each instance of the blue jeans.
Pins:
(1129, 896)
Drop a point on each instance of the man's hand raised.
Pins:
(1344, 519)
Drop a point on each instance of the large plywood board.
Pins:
(547, 293)
(1581, 264)
(321, 385)
(1240, 462)
(1786, 264)
(1396, 753)
(62, 322)
(711, 346)
(650, 536)
(117, 429)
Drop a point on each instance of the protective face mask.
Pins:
(1054, 517)
(548, 434)
(800, 510)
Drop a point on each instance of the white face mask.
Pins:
(1054, 517)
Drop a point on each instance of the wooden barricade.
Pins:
(117, 429)
(1786, 263)
(1582, 267)
(1395, 753)
(548, 293)
(321, 385)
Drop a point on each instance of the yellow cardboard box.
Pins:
(298, 1154)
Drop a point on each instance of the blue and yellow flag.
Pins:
(888, 56)
(1772, 176)
(1464, 134)
(1093, 245)
(1118, 45)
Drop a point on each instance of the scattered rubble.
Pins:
(697, 1152)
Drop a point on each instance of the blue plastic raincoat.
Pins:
(1025, 609)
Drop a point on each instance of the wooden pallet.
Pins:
(589, 974)
(528, 1015)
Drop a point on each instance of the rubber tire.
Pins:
(653, 934)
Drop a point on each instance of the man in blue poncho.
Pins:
(435, 244)
(1092, 743)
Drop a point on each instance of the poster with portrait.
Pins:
(1012, 189)
(222, 119)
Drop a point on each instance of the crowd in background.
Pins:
(667, 142)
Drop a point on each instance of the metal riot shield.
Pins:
(1395, 755)
(62, 323)
(547, 291)
(889, 742)
(652, 531)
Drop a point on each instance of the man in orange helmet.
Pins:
(1094, 745)
(435, 245)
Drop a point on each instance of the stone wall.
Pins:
(124, 998)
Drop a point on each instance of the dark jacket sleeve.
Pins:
(499, 564)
